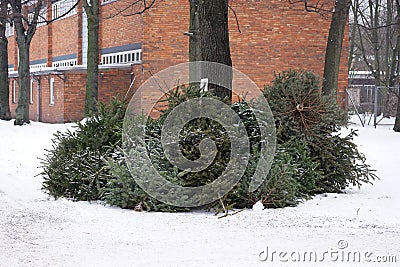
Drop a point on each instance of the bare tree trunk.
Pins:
(214, 42)
(355, 8)
(4, 89)
(396, 127)
(374, 9)
(22, 111)
(92, 82)
(388, 37)
(390, 58)
(334, 46)
(25, 33)
(194, 40)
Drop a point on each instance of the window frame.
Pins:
(31, 92)
(14, 92)
(52, 95)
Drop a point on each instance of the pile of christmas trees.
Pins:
(311, 156)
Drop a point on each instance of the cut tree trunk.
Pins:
(334, 46)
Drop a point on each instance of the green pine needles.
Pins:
(311, 156)
(309, 123)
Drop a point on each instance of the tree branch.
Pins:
(236, 18)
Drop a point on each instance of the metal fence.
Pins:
(372, 102)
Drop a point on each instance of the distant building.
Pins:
(275, 36)
(361, 77)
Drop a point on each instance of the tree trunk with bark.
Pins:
(92, 82)
(22, 111)
(353, 26)
(214, 43)
(194, 41)
(396, 127)
(25, 32)
(334, 46)
(4, 89)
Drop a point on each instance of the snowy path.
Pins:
(36, 231)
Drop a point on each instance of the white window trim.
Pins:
(103, 2)
(37, 66)
(204, 85)
(131, 56)
(14, 92)
(51, 91)
(41, 21)
(62, 7)
(9, 29)
(65, 63)
(31, 93)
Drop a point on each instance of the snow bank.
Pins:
(38, 231)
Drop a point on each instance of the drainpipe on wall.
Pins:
(39, 105)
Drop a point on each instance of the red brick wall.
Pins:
(12, 50)
(69, 93)
(164, 44)
(49, 113)
(52, 113)
(112, 82)
(65, 36)
(117, 30)
(74, 101)
(33, 107)
(39, 44)
(275, 36)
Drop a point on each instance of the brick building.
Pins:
(275, 35)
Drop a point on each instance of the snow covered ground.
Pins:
(359, 228)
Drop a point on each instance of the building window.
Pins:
(37, 66)
(9, 29)
(31, 93)
(65, 63)
(132, 56)
(103, 2)
(64, 8)
(41, 18)
(52, 91)
(14, 92)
